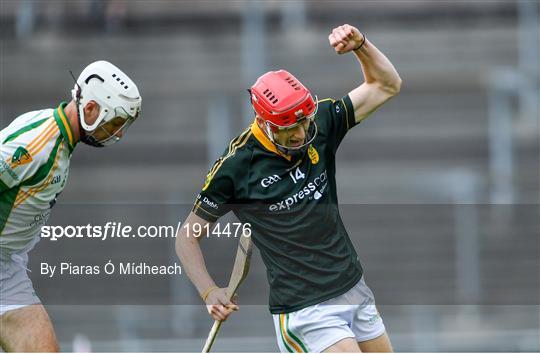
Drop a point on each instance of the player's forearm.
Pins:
(190, 255)
(377, 68)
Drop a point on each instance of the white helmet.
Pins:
(117, 96)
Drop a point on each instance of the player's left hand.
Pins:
(219, 306)
(345, 38)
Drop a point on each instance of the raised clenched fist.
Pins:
(345, 38)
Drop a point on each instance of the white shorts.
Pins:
(317, 327)
(16, 288)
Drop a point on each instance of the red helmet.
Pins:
(284, 103)
(279, 98)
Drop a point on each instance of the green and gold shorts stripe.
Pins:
(291, 341)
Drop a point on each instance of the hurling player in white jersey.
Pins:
(35, 152)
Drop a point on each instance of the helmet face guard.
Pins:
(283, 103)
(311, 132)
(108, 133)
(298, 151)
(299, 117)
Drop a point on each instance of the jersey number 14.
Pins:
(297, 175)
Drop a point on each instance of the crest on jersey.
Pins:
(21, 156)
(313, 155)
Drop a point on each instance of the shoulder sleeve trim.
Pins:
(349, 112)
(3, 186)
(234, 145)
(6, 205)
(34, 147)
(326, 99)
(43, 171)
(201, 212)
(24, 130)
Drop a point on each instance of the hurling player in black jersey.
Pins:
(279, 176)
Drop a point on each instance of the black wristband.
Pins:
(361, 44)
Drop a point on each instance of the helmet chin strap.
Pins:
(294, 153)
(90, 140)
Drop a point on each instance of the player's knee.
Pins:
(53, 346)
(380, 344)
(49, 345)
(345, 345)
(28, 329)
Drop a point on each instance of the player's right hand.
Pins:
(218, 305)
(345, 38)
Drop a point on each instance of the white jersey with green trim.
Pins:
(34, 161)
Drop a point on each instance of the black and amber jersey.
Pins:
(292, 207)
